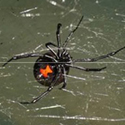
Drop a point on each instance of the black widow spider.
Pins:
(51, 68)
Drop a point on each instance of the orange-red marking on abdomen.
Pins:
(45, 71)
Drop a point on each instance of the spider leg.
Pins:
(58, 38)
(48, 46)
(58, 35)
(65, 79)
(50, 57)
(71, 33)
(53, 82)
(16, 57)
(39, 97)
(86, 69)
(100, 57)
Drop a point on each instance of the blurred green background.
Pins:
(94, 98)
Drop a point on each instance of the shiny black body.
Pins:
(41, 62)
(59, 61)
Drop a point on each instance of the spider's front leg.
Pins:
(22, 56)
(58, 35)
(48, 46)
(99, 57)
(72, 32)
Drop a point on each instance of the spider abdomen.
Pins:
(48, 72)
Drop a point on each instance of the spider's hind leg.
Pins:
(39, 97)
(21, 56)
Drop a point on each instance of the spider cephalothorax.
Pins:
(51, 68)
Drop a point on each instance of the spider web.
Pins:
(89, 98)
